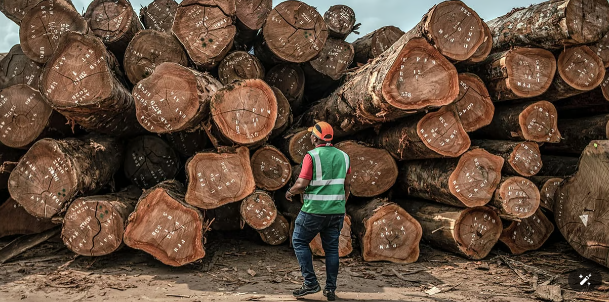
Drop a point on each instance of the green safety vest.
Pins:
(326, 191)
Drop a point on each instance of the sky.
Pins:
(372, 14)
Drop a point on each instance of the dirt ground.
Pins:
(241, 269)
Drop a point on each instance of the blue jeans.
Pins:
(306, 227)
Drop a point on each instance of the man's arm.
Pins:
(298, 188)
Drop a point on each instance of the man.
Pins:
(325, 185)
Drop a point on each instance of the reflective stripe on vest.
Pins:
(323, 197)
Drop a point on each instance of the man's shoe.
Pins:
(306, 290)
(330, 294)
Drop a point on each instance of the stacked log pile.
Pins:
(155, 131)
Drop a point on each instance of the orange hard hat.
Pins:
(323, 131)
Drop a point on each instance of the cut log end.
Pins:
(538, 123)
(285, 117)
(477, 231)
(340, 20)
(17, 68)
(290, 80)
(299, 144)
(529, 234)
(547, 192)
(530, 71)
(485, 48)
(525, 159)
(110, 20)
(159, 15)
(239, 65)
(187, 143)
(442, 132)
(258, 210)
(516, 197)
(384, 38)
(587, 20)
(150, 160)
(476, 177)
(20, 222)
(345, 246)
(419, 62)
(23, 114)
(581, 68)
(334, 59)
(277, 233)
(474, 104)
(601, 48)
(252, 14)
(272, 169)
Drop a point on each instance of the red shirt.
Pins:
(307, 166)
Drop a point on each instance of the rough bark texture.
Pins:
(15, 10)
(174, 98)
(238, 66)
(551, 24)
(577, 134)
(149, 160)
(8, 161)
(547, 185)
(529, 234)
(225, 218)
(559, 166)
(147, 50)
(516, 198)
(581, 205)
(340, 20)
(290, 80)
(386, 232)
(216, 179)
(17, 68)
(94, 225)
(258, 210)
(277, 233)
(251, 15)
(244, 113)
(114, 22)
(473, 104)
(285, 117)
(471, 232)
(345, 246)
(159, 15)
(466, 182)
(589, 103)
(83, 82)
(373, 171)
(531, 121)
(375, 43)
(296, 143)
(53, 172)
(520, 158)
(272, 169)
(187, 143)
(164, 226)
(17, 221)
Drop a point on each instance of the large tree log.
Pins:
(296, 143)
(95, 225)
(329, 67)
(114, 22)
(529, 234)
(551, 24)
(206, 29)
(26, 117)
(577, 134)
(473, 104)
(517, 73)
(285, 117)
(258, 210)
(531, 121)
(164, 226)
(375, 43)
(580, 211)
(272, 169)
(373, 171)
(586, 104)
(53, 172)
(174, 98)
(516, 198)
(559, 166)
(290, 80)
(251, 15)
(15, 10)
(147, 50)
(17, 68)
(470, 232)
(159, 15)
(345, 246)
(16, 221)
(187, 144)
(340, 20)
(238, 66)
(484, 50)
(520, 158)
(216, 179)
(225, 218)
(45, 24)
(465, 182)
(547, 186)
(277, 233)
(386, 232)
(244, 113)
(82, 81)
(149, 160)
(435, 135)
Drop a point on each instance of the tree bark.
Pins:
(340, 20)
(272, 169)
(238, 66)
(164, 226)
(373, 171)
(470, 232)
(547, 185)
(258, 210)
(159, 15)
(251, 15)
(53, 172)
(375, 43)
(25, 117)
(83, 82)
(206, 30)
(473, 104)
(244, 113)
(551, 24)
(216, 179)
(517, 73)
(95, 225)
(530, 121)
(558, 166)
(149, 160)
(516, 198)
(149, 49)
(285, 117)
(386, 232)
(296, 143)
(174, 98)
(8, 161)
(529, 234)
(114, 22)
(345, 246)
(16, 68)
(520, 158)
(290, 80)
(577, 134)
(277, 233)
(17, 221)
(581, 205)
(225, 218)
(589, 103)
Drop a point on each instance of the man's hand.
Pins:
(288, 195)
